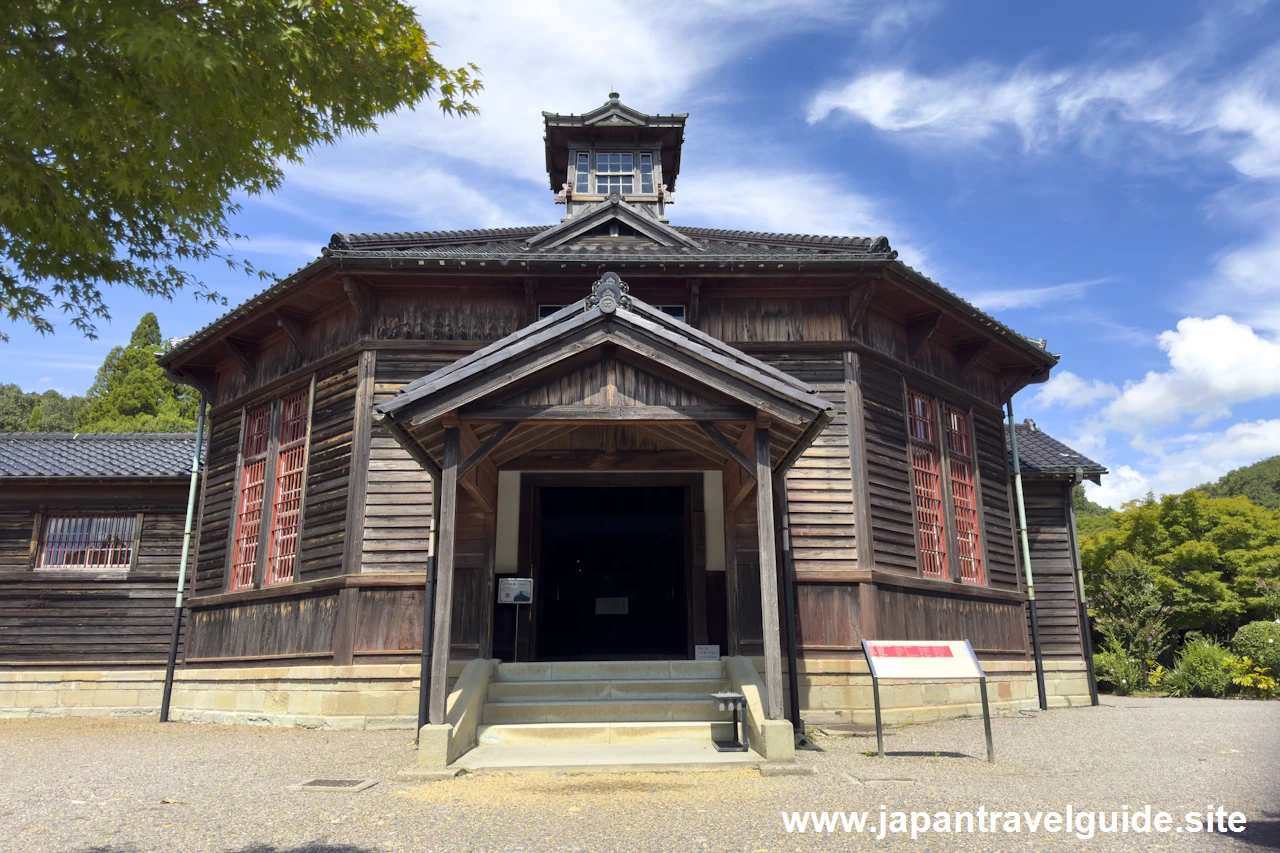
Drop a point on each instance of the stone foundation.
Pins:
(385, 696)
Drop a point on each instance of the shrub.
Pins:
(1260, 641)
(1120, 672)
(1251, 679)
(1204, 668)
(1129, 612)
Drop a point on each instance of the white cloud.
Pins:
(1002, 300)
(1214, 364)
(1067, 389)
(1123, 484)
(280, 247)
(769, 202)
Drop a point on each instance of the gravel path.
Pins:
(134, 785)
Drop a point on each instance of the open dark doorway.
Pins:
(612, 573)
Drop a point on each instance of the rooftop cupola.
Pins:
(614, 150)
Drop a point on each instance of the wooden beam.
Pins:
(621, 460)
(970, 354)
(768, 577)
(485, 448)
(360, 297)
(920, 328)
(859, 301)
(246, 356)
(193, 379)
(531, 299)
(296, 328)
(864, 544)
(444, 578)
(1012, 381)
(482, 482)
(695, 291)
(597, 414)
(530, 437)
(729, 447)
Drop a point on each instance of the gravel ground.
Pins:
(114, 785)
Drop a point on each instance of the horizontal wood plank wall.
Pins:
(819, 486)
(1053, 568)
(219, 503)
(997, 509)
(992, 627)
(397, 514)
(888, 469)
(82, 618)
(889, 336)
(328, 473)
(773, 319)
(278, 627)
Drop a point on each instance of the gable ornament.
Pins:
(610, 292)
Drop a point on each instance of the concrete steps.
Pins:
(538, 714)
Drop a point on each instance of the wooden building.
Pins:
(90, 536)
(685, 436)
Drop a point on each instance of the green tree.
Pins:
(131, 393)
(130, 126)
(1208, 556)
(27, 411)
(1259, 482)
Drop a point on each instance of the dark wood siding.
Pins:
(219, 502)
(1053, 568)
(990, 626)
(328, 473)
(78, 617)
(277, 627)
(828, 618)
(997, 509)
(397, 515)
(888, 469)
(742, 557)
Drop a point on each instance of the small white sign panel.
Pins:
(515, 590)
(706, 653)
(904, 659)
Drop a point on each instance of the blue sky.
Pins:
(1106, 176)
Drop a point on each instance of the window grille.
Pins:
(927, 477)
(964, 495)
(286, 508)
(253, 473)
(102, 542)
(615, 173)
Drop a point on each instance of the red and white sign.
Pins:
(932, 660)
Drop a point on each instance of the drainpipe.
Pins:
(1026, 558)
(789, 600)
(1086, 633)
(182, 568)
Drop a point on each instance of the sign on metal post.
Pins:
(515, 591)
(931, 661)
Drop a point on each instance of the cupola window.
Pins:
(615, 173)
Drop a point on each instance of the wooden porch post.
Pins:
(768, 576)
(448, 498)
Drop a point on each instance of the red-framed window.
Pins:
(286, 507)
(251, 494)
(86, 542)
(964, 495)
(926, 475)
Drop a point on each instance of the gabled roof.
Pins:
(612, 209)
(1042, 455)
(85, 455)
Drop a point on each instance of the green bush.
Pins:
(1119, 672)
(1204, 668)
(1260, 642)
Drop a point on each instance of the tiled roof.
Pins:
(712, 243)
(60, 454)
(1040, 454)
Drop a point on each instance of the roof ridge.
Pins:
(82, 436)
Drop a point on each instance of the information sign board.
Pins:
(515, 590)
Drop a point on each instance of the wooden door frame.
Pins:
(529, 545)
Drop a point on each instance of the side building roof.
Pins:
(41, 455)
(1043, 456)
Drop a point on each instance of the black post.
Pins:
(182, 570)
(875, 692)
(986, 720)
(428, 610)
(789, 602)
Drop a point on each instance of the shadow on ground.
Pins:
(1263, 834)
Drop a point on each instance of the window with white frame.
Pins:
(615, 172)
(582, 172)
(87, 542)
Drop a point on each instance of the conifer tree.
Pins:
(131, 393)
